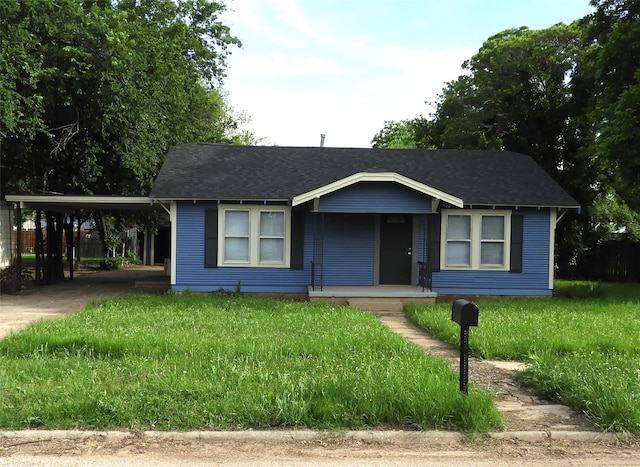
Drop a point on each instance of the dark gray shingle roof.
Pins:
(212, 171)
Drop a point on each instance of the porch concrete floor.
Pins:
(377, 291)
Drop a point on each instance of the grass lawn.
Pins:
(29, 260)
(182, 362)
(582, 348)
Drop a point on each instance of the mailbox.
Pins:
(464, 313)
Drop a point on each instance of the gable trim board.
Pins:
(376, 177)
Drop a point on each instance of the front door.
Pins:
(396, 240)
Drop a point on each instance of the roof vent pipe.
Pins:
(322, 140)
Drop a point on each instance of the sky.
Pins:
(343, 67)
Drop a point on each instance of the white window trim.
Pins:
(254, 236)
(476, 218)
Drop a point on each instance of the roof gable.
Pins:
(203, 171)
(376, 177)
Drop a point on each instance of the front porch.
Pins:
(391, 298)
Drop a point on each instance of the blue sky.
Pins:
(343, 67)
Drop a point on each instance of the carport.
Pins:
(71, 204)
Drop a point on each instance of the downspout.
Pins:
(173, 217)
(552, 244)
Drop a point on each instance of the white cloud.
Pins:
(284, 65)
(298, 78)
(292, 17)
(349, 109)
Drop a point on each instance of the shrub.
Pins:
(113, 263)
(13, 280)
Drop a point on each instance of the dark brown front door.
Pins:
(396, 239)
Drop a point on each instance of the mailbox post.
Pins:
(464, 313)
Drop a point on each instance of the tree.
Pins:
(518, 95)
(569, 96)
(105, 89)
(414, 133)
(21, 105)
(613, 33)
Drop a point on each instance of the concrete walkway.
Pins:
(522, 410)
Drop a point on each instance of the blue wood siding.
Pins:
(349, 249)
(348, 258)
(534, 278)
(376, 197)
(191, 273)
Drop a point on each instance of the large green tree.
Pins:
(414, 133)
(95, 92)
(114, 86)
(516, 95)
(613, 35)
(569, 96)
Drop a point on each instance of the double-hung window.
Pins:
(475, 239)
(253, 236)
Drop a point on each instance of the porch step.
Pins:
(376, 304)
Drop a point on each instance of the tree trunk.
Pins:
(102, 230)
(55, 270)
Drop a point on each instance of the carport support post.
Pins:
(70, 252)
(19, 236)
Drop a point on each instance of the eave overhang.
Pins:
(376, 177)
(69, 203)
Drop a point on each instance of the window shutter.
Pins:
(516, 243)
(297, 238)
(434, 241)
(211, 238)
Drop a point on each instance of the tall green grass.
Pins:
(581, 347)
(194, 361)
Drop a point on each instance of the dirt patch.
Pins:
(138, 449)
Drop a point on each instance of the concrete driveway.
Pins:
(53, 301)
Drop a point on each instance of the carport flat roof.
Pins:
(63, 203)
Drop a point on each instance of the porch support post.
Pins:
(318, 249)
(322, 251)
(425, 249)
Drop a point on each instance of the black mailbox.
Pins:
(464, 313)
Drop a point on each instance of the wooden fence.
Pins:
(88, 245)
(615, 261)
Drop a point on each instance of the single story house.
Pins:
(342, 221)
